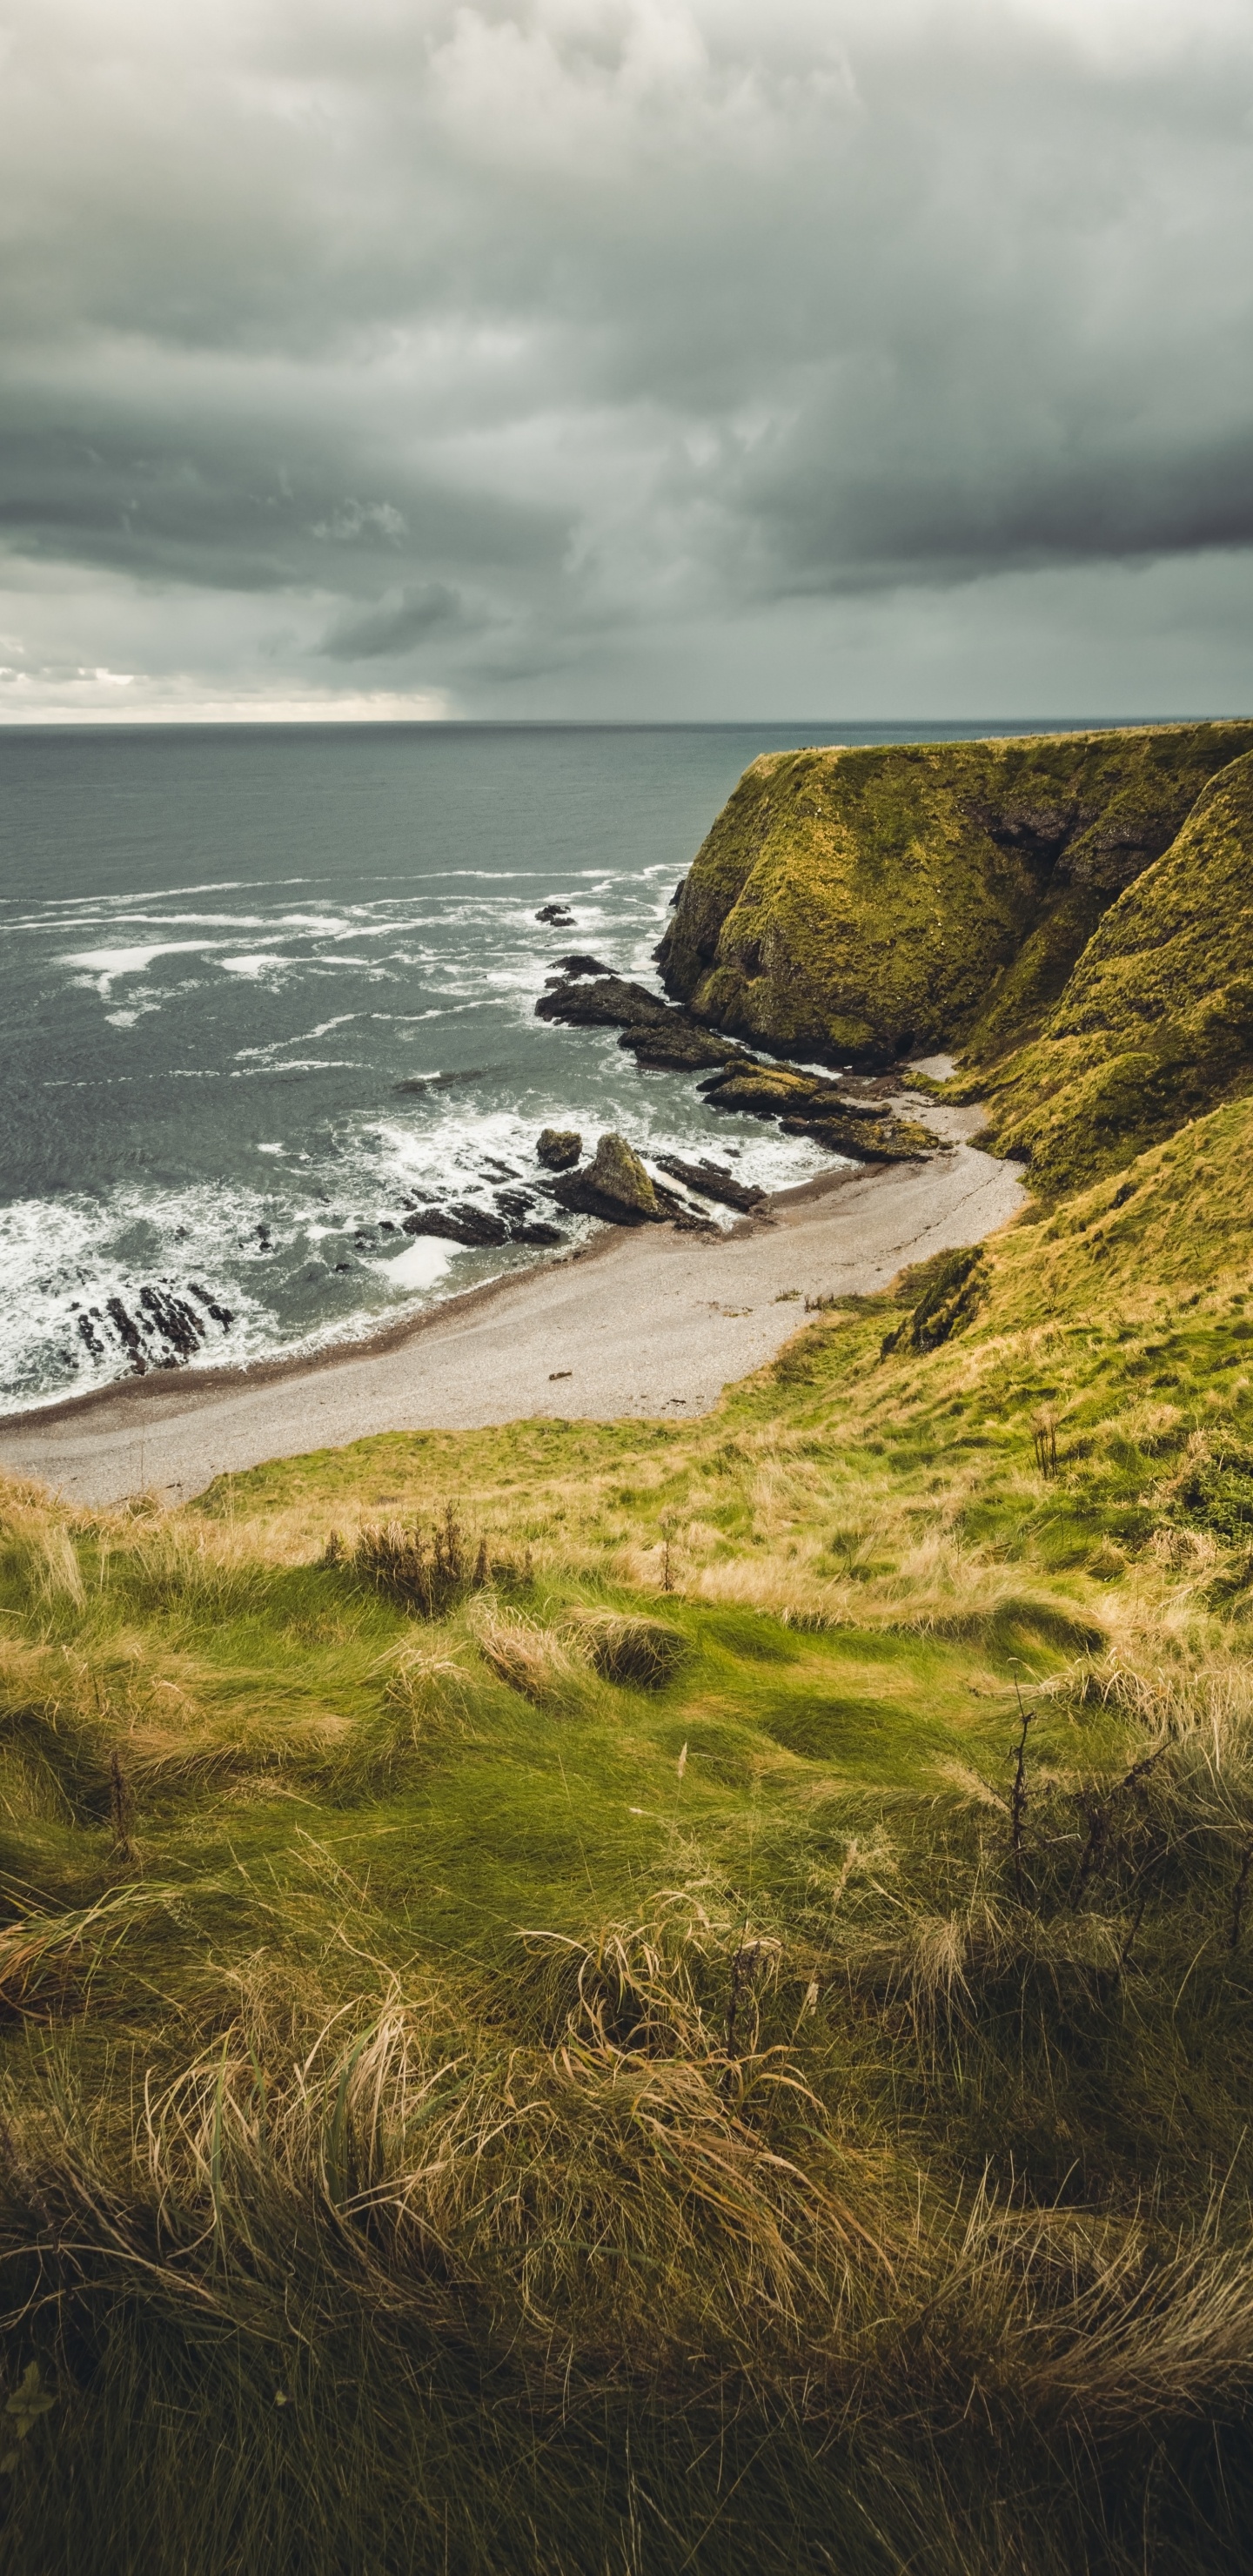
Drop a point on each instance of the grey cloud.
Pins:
(396, 622)
(233, 499)
(608, 319)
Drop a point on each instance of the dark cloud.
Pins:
(397, 621)
(549, 344)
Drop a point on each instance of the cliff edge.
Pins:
(859, 905)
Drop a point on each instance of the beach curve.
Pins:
(649, 1323)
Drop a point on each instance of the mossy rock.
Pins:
(615, 1186)
(558, 1148)
(857, 905)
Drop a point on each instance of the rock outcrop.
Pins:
(867, 1131)
(860, 905)
(558, 1148)
(615, 1187)
(661, 1038)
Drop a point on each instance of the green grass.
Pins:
(463, 2111)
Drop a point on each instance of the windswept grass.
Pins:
(547, 2072)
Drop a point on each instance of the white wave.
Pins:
(111, 962)
(419, 1266)
(303, 1037)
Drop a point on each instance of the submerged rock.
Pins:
(557, 915)
(576, 964)
(558, 1148)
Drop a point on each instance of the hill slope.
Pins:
(501, 2056)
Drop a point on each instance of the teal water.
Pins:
(226, 947)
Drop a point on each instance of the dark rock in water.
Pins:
(461, 1224)
(661, 1038)
(223, 1315)
(128, 1334)
(615, 1187)
(514, 1203)
(713, 1181)
(536, 1234)
(577, 965)
(610, 1002)
(677, 1045)
(417, 1083)
(558, 1148)
(386, 1226)
(92, 1340)
(557, 915)
(173, 1318)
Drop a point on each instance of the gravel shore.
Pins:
(652, 1322)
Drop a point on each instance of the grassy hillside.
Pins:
(1156, 1020)
(860, 904)
(728, 2045)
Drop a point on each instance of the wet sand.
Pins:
(648, 1322)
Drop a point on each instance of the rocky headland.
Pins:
(1070, 916)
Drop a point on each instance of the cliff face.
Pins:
(1155, 1024)
(856, 905)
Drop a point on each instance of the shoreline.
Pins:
(640, 1323)
(183, 1386)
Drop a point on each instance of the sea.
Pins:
(266, 989)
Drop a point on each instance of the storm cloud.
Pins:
(626, 356)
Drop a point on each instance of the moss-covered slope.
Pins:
(860, 904)
(1156, 1020)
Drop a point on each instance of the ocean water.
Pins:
(261, 988)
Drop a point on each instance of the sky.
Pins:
(641, 359)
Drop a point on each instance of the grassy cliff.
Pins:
(861, 904)
(697, 2017)
(1156, 1020)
